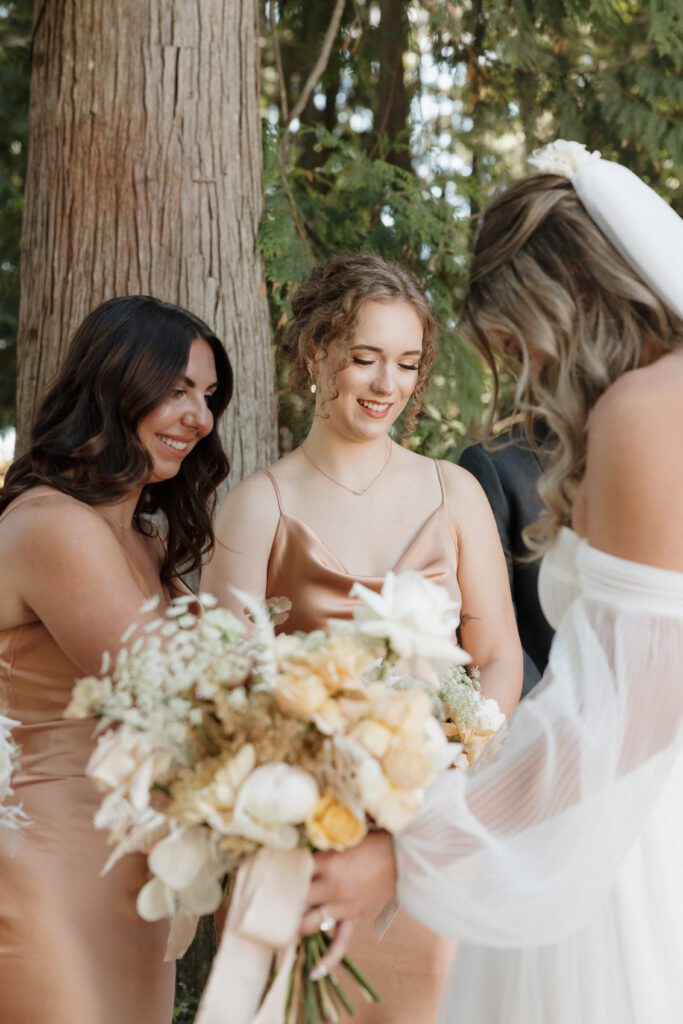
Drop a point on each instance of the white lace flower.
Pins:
(562, 157)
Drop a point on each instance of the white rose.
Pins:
(416, 617)
(274, 799)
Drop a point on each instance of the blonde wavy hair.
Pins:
(553, 301)
(325, 314)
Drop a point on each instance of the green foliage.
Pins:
(489, 83)
(15, 22)
(185, 1009)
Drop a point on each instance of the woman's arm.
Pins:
(488, 628)
(71, 573)
(245, 530)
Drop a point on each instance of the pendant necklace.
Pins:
(351, 490)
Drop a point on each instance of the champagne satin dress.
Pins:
(409, 965)
(72, 947)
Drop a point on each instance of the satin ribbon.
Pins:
(267, 905)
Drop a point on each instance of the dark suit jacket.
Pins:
(509, 474)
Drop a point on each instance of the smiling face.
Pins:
(374, 389)
(171, 431)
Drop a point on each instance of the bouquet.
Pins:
(12, 818)
(227, 751)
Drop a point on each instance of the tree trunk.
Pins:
(144, 176)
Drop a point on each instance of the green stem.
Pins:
(358, 975)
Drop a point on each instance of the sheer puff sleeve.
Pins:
(520, 850)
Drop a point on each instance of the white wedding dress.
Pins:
(558, 862)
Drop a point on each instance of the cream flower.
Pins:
(187, 871)
(396, 807)
(300, 695)
(408, 765)
(271, 803)
(403, 711)
(86, 698)
(562, 157)
(213, 803)
(373, 736)
(417, 618)
(8, 756)
(127, 761)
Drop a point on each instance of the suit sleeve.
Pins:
(477, 461)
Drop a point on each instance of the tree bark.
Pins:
(144, 176)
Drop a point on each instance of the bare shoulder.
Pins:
(463, 490)
(52, 517)
(634, 467)
(641, 408)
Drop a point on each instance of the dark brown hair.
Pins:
(325, 313)
(121, 364)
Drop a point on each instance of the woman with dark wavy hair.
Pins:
(124, 440)
(349, 505)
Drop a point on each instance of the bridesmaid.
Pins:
(126, 433)
(351, 504)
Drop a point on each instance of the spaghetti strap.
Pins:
(275, 488)
(442, 485)
(23, 499)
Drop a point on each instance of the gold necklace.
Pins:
(124, 526)
(337, 482)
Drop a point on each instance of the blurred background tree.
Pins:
(15, 38)
(421, 112)
(389, 123)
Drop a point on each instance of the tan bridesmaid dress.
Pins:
(72, 948)
(410, 965)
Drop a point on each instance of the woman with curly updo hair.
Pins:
(351, 504)
(111, 502)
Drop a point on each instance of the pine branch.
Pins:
(321, 63)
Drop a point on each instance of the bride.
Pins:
(558, 862)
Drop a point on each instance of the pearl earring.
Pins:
(314, 387)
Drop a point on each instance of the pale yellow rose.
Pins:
(300, 695)
(333, 825)
(337, 662)
(404, 711)
(373, 736)
(408, 765)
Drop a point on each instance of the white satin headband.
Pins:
(640, 224)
